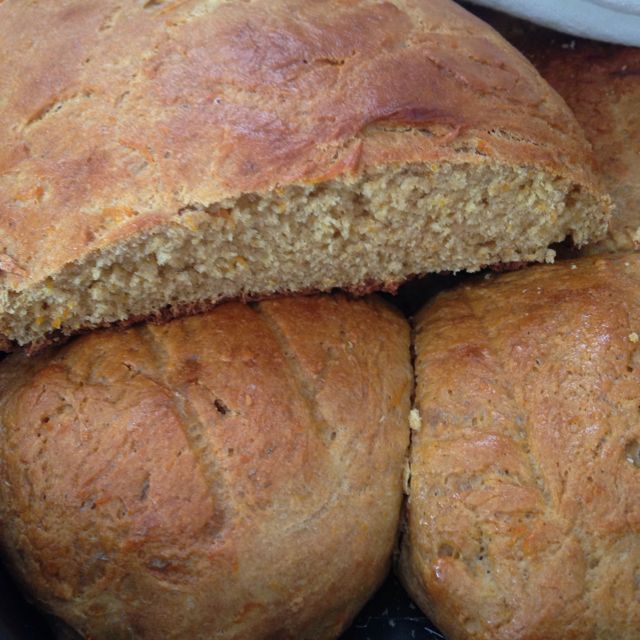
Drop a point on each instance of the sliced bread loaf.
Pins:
(158, 157)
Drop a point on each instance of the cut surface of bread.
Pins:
(181, 153)
(523, 517)
(235, 474)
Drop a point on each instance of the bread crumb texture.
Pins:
(236, 474)
(523, 516)
(188, 152)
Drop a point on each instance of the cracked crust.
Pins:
(161, 111)
(523, 519)
(235, 474)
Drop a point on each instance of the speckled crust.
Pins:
(124, 115)
(601, 83)
(236, 474)
(523, 516)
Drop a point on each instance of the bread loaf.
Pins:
(236, 474)
(161, 156)
(523, 514)
(601, 83)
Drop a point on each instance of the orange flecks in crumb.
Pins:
(483, 147)
(35, 193)
(119, 213)
(172, 6)
(225, 214)
(239, 261)
(142, 149)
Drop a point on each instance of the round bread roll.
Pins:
(163, 154)
(523, 514)
(236, 474)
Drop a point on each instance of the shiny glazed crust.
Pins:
(236, 474)
(523, 515)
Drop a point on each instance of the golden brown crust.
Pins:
(601, 84)
(160, 105)
(235, 474)
(523, 518)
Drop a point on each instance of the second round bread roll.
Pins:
(236, 474)
(523, 515)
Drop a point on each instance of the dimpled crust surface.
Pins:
(601, 83)
(160, 154)
(236, 474)
(523, 515)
